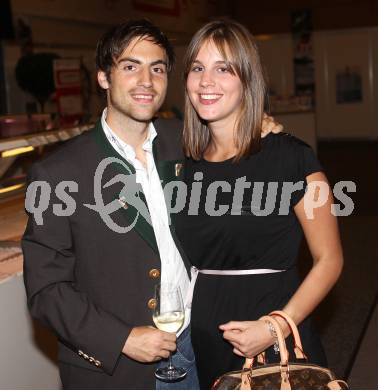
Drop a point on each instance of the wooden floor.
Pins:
(345, 314)
(12, 219)
(12, 225)
(364, 374)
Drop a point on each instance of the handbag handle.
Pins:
(298, 348)
(284, 356)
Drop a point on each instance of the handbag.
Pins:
(284, 375)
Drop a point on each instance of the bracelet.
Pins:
(273, 333)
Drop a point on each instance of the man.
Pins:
(90, 274)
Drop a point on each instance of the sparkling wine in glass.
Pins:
(169, 316)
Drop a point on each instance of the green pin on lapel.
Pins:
(122, 201)
(178, 168)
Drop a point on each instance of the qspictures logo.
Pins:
(264, 200)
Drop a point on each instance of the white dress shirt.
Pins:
(172, 265)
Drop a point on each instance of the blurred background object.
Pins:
(34, 74)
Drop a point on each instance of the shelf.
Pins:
(42, 138)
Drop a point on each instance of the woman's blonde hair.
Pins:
(239, 50)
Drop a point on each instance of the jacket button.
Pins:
(154, 273)
(152, 303)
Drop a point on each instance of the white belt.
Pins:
(195, 271)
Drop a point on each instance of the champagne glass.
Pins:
(169, 316)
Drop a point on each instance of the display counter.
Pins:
(18, 153)
(42, 138)
(28, 351)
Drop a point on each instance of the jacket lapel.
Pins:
(134, 206)
(172, 170)
(168, 170)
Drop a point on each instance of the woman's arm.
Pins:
(322, 236)
(321, 231)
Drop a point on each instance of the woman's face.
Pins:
(216, 93)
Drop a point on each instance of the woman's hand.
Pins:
(249, 338)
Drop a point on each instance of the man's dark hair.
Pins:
(117, 38)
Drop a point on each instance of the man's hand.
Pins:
(269, 125)
(146, 344)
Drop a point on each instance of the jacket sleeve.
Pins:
(52, 295)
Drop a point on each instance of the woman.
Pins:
(239, 216)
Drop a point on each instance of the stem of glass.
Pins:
(170, 365)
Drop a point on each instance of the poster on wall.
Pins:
(349, 85)
(304, 68)
(162, 7)
(67, 79)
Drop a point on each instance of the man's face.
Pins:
(138, 81)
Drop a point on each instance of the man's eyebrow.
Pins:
(159, 62)
(129, 59)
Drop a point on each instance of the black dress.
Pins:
(237, 235)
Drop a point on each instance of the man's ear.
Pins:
(102, 79)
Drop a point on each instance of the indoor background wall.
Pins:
(333, 52)
(72, 28)
(344, 35)
(270, 17)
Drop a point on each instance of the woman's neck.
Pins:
(222, 144)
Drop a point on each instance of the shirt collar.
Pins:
(118, 143)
